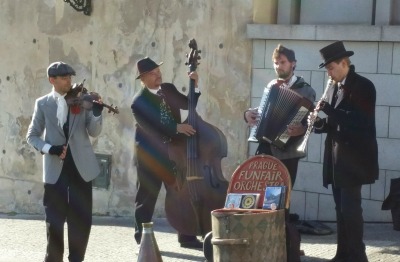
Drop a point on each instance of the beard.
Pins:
(283, 74)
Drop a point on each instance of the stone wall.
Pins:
(103, 48)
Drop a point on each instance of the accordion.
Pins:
(279, 107)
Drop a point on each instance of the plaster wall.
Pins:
(103, 48)
(235, 65)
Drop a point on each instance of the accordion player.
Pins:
(279, 107)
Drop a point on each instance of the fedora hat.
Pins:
(146, 65)
(333, 52)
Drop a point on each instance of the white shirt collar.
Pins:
(154, 91)
(289, 83)
(343, 81)
(56, 94)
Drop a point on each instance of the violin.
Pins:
(79, 96)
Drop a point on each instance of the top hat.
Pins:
(59, 69)
(333, 52)
(145, 65)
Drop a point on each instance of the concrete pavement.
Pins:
(23, 238)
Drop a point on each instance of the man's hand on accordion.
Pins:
(251, 116)
(296, 129)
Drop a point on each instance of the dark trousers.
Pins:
(292, 234)
(69, 200)
(350, 223)
(291, 165)
(153, 168)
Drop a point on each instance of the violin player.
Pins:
(61, 135)
(157, 111)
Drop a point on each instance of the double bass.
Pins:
(200, 185)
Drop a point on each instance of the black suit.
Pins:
(152, 161)
(350, 157)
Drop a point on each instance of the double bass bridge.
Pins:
(194, 178)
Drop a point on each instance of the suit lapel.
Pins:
(331, 92)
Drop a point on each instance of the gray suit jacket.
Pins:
(44, 129)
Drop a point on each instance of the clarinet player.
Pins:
(351, 151)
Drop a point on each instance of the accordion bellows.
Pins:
(279, 107)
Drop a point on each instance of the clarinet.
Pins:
(313, 117)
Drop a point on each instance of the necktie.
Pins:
(280, 82)
(283, 83)
(336, 93)
(165, 110)
(340, 90)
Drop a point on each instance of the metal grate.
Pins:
(103, 180)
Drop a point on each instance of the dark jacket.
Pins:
(147, 112)
(351, 150)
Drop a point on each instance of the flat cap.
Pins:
(59, 69)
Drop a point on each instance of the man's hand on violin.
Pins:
(60, 151)
(185, 129)
(97, 108)
(95, 100)
(251, 116)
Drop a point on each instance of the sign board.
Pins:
(258, 172)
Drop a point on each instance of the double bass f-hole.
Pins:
(213, 184)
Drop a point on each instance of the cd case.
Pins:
(242, 200)
(274, 197)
